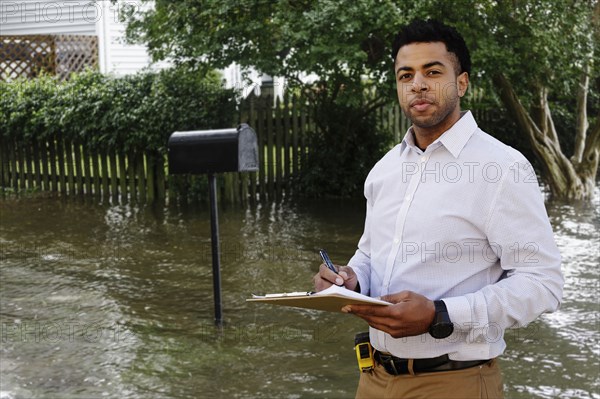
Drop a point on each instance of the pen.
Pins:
(327, 261)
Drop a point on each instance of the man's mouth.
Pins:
(421, 104)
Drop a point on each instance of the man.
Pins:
(456, 236)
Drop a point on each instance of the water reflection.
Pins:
(116, 301)
(564, 350)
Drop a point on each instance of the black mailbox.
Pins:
(214, 151)
(210, 152)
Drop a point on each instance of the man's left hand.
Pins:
(411, 314)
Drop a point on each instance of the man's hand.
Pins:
(411, 314)
(326, 278)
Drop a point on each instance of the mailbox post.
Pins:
(210, 152)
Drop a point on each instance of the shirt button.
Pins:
(396, 240)
(407, 197)
(423, 159)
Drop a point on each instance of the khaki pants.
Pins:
(479, 382)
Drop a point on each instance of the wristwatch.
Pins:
(441, 327)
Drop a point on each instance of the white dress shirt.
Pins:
(463, 221)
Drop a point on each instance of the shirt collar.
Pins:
(454, 139)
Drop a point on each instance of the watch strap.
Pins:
(440, 306)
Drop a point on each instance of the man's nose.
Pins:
(419, 83)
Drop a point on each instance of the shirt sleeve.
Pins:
(521, 237)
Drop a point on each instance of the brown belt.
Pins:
(397, 366)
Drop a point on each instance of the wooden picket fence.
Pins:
(71, 168)
(68, 167)
(282, 132)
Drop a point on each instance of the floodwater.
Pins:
(116, 301)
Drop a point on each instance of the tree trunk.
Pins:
(588, 167)
(566, 178)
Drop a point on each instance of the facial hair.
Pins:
(438, 116)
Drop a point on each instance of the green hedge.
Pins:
(133, 112)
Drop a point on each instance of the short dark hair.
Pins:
(421, 31)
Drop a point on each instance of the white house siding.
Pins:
(38, 17)
(116, 56)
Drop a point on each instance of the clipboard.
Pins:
(332, 299)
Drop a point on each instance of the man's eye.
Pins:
(433, 73)
(405, 76)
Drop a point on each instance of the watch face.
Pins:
(441, 330)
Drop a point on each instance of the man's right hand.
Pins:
(326, 278)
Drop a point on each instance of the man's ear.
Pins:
(462, 83)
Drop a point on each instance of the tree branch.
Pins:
(513, 105)
(549, 129)
(582, 120)
(592, 141)
(560, 173)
